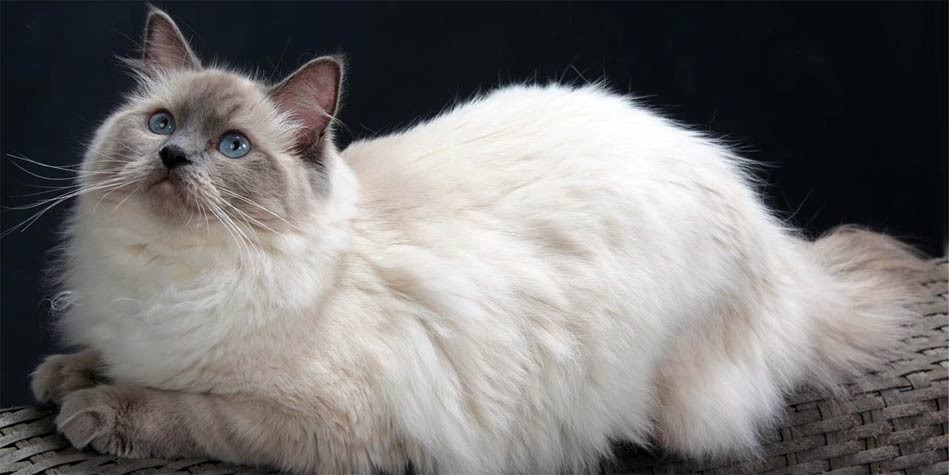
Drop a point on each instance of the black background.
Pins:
(846, 101)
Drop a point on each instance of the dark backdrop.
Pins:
(847, 101)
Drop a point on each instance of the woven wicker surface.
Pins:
(892, 420)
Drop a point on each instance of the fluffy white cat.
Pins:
(505, 288)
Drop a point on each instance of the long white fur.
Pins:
(507, 287)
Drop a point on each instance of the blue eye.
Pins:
(161, 123)
(234, 145)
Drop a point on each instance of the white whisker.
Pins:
(127, 196)
(253, 203)
(53, 202)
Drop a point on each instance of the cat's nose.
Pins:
(173, 157)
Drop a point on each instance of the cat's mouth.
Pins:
(163, 184)
(166, 184)
(168, 193)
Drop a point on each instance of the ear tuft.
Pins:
(311, 96)
(165, 46)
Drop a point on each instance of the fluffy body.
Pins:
(507, 287)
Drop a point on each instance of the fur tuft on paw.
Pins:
(59, 375)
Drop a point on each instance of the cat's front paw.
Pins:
(95, 417)
(59, 375)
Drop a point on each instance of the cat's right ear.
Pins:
(165, 47)
(311, 96)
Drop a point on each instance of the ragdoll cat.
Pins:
(505, 288)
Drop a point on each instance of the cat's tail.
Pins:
(821, 311)
(873, 282)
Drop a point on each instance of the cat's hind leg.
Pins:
(725, 381)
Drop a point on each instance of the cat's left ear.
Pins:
(311, 96)
(165, 47)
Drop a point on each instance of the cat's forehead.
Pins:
(210, 95)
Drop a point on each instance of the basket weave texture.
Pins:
(890, 420)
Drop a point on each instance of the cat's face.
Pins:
(196, 145)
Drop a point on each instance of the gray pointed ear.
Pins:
(311, 96)
(165, 46)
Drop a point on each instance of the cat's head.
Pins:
(196, 146)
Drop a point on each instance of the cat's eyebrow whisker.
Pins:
(276, 67)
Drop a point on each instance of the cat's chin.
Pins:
(168, 196)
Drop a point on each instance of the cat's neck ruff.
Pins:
(183, 292)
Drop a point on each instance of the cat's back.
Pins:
(509, 129)
(523, 147)
(556, 178)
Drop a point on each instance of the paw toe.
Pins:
(85, 418)
(60, 375)
(44, 378)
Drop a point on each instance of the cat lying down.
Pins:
(504, 288)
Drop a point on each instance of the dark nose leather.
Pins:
(173, 157)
